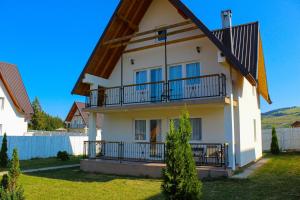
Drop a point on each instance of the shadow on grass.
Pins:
(76, 175)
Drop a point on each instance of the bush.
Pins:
(180, 179)
(63, 155)
(274, 143)
(3, 153)
(10, 189)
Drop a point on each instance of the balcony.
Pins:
(177, 90)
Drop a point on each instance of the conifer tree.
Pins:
(3, 153)
(180, 179)
(274, 143)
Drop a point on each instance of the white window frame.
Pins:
(255, 130)
(147, 131)
(2, 99)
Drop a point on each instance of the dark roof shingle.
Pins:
(245, 45)
(12, 80)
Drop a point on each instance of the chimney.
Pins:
(226, 16)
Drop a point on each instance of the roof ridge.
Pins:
(235, 26)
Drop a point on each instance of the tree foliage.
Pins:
(3, 153)
(274, 143)
(180, 179)
(10, 187)
(40, 120)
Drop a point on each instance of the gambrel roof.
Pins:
(12, 81)
(247, 55)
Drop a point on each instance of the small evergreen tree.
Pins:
(192, 185)
(274, 143)
(3, 153)
(180, 179)
(10, 189)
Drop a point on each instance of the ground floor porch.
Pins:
(144, 169)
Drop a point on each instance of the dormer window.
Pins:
(162, 35)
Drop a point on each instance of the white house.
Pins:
(15, 107)
(154, 58)
(77, 119)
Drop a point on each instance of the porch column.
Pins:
(229, 132)
(92, 134)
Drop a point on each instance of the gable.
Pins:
(133, 17)
(12, 81)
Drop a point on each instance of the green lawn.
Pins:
(278, 179)
(46, 162)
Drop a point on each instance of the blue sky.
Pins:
(51, 41)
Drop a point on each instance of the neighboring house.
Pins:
(77, 119)
(296, 124)
(156, 57)
(15, 107)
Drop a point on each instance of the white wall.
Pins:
(248, 110)
(13, 122)
(161, 13)
(44, 146)
(120, 126)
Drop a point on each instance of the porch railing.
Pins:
(205, 154)
(153, 92)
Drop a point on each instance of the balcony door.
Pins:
(175, 72)
(156, 89)
(155, 136)
(192, 87)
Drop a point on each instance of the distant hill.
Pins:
(280, 118)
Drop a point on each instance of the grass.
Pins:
(278, 179)
(46, 162)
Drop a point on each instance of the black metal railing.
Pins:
(143, 93)
(125, 151)
(205, 154)
(153, 92)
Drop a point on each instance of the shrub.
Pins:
(63, 155)
(10, 189)
(3, 153)
(274, 143)
(180, 179)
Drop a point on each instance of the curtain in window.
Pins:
(196, 124)
(196, 128)
(193, 70)
(141, 77)
(140, 130)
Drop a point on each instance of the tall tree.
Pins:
(3, 152)
(180, 179)
(43, 121)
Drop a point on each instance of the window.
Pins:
(140, 129)
(140, 78)
(196, 124)
(254, 126)
(1, 129)
(1, 103)
(193, 70)
(162, 35)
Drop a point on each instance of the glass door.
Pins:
(155, 136)
(175, 72)
(156, 88)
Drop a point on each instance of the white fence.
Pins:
(288, 138)
(44, 146)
